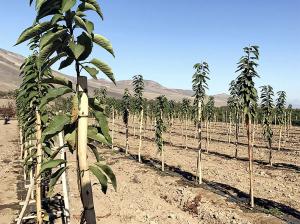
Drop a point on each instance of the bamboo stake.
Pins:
(21, 143)
(63, 156)
(199, 160)
(21, 215)
(38, 196)
(250, 155)
(84, 176)
(113, 128)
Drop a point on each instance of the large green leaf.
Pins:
(103, 42)
(92, 71)
(54, 178)
(51, 36)
(108, 172)
(58, 80)
(54, 93)
(34, 31)
(93, 134)
(50, 164)
(77, 49)
(103, 124)
(104, 68)
(70, 138)
(67, 5)
(65, 63)
(56, 125)
(101, 177)
(90, 5)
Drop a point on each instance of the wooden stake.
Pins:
(140, 143)
(250, 155)
(63, 156)
(38, 193)
(84, 176)
(113, 128)
(199, 159)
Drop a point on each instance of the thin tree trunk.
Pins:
(229, 135)
(279, 141)
(250, 155)
(133, 125)
(270, 153)
(140, 143)
(127, 144)
(207, 136)
(86, 191)
(38, 192)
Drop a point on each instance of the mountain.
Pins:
(10, 80)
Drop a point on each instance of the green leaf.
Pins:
(84, 24)
(70, 138)
(108, 172)
(103, 42)
(65, 63)
(93, 134)
(101, 178)
(76, 49)
(104, 68)
(54, 178)
(103, 124)
(95, 151)
(33, 31)
(67, 5)
(50, 164)
(53, 94)
(91, 5)
(51, 36)
(56, 125)
(85, 40)
(92, 71)
(58, 80)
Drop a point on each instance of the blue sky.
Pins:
(163, 39)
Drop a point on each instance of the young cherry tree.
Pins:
(126, 106)
(200, 78)
(138, 87)
(209, 110)
(236, 106)
(64, 32)
(160, 127)
(267, 106)
(185, 110)
(280, 112)
(248, 95)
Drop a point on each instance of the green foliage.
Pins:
(280, 106)
(161, 105)
(138, 88)
(125, 106)
(209, 109)
(246, 90)
(200, 78)
(267, 106)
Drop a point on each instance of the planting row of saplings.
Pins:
(61, 32)
(243, 99)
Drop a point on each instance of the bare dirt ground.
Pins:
(10, 171)
(147, 195)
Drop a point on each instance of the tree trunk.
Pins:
(141, 126)
(86, 191)
(250, 155)
(229, 135)
(271, 153)
(38, 196)
(133, 123)
(127, 144)
(207, 136)
(279, 141)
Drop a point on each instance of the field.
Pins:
(147, 195)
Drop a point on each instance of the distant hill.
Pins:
(10, 80)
